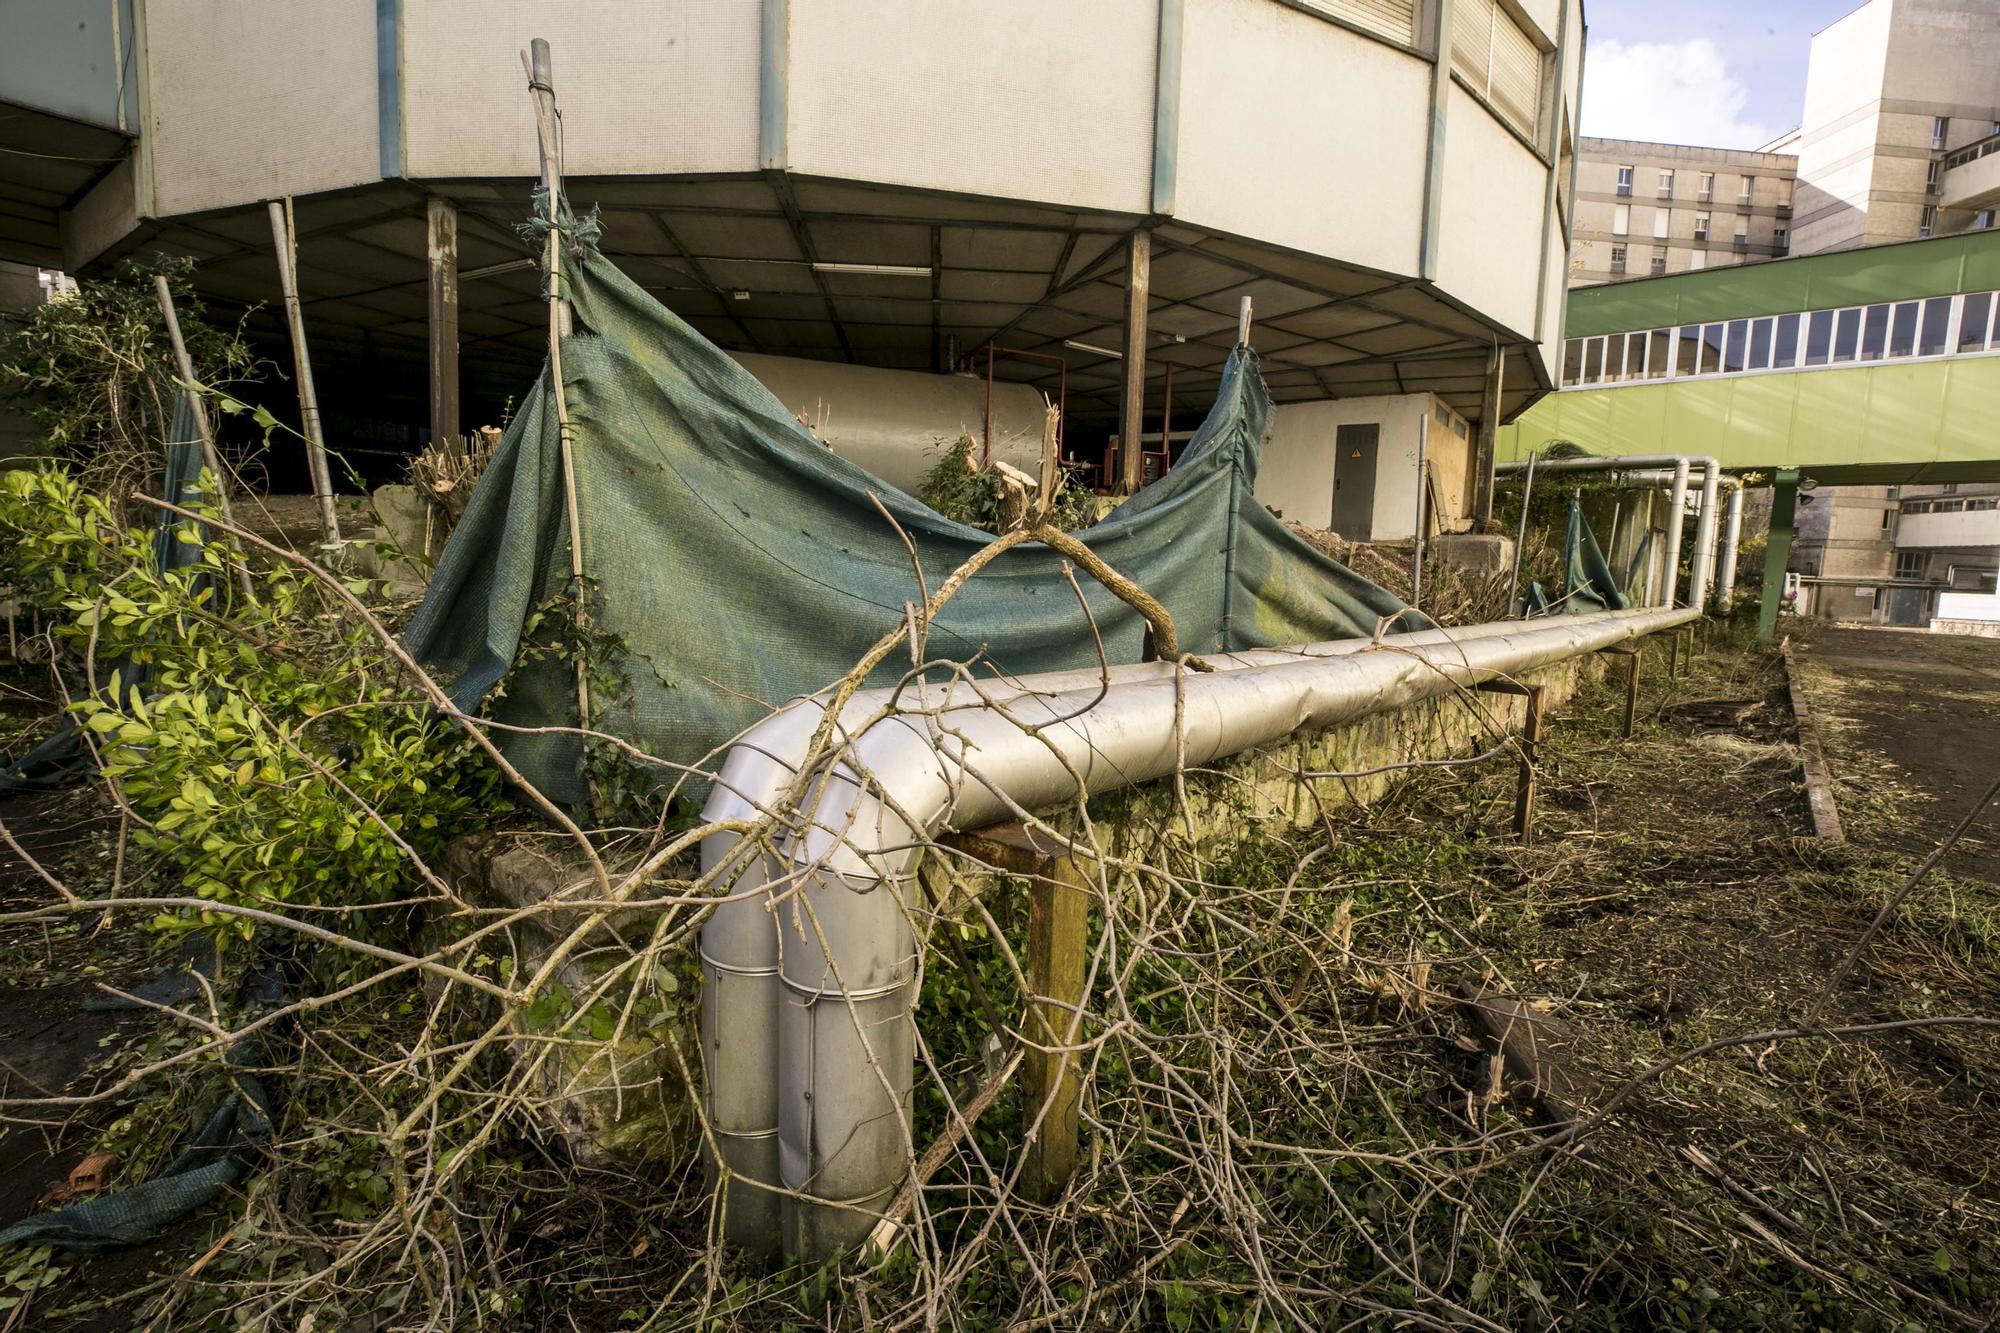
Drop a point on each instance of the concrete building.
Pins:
(1651, 209)
(896, 186)
(1894, 91)
(1887, 554)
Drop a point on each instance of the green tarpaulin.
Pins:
(732, 562)
(1588, 583)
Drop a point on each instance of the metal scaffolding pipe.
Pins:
(1702, 568)
(810, 959)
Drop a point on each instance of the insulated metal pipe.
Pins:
(742, 994)
(1681, 464)
(1701, 577)
(838, 881)
(1732, 539)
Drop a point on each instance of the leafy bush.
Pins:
(960, 489)
(273, 751)
(93, 369)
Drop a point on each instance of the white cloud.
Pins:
(1671, 92)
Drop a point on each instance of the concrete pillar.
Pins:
(441, 247)
(1778, 551)
(1132, 405)
(1489, 438)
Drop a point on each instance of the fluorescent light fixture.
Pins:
(1093, 349)
(492, 270)
(880, 270)
(740, 294)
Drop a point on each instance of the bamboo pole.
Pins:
(209, 454)
(284, 239)
(548, 135)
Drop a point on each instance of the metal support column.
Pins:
(441, 218)
(1531, 740)
(1132, 406)
(1489, 437)
(1777, 551)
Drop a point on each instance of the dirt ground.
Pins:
(1917, 714)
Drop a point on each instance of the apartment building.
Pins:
(1885, 554)
(1650, 209)
(1898, 139)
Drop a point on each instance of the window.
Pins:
(1573, 361)
(1735, 349)
(1711, 349)
(1936, 325)
(1666, 183)
(1701, 226)
(1927, 223)
(1934, 175)
(1847, 335)
(1909, 564)
(1635, 355)
(1781, 239)
(1978, 313)
(1687, 361)
(1940, 126)
(1498, 60)
(1661, 216)
(1903, 332)
(1621, 220)
(1874, 332)
(1819, 337)
(1617, 259)
(1698, 260)
(1785, 195)
(1948, 488)
(1742, 238)
(1785, 343)
(1749, 188)
(1625, 181)
(1983, 220)
(1760, 345)
(1659, 352)
(1593, 360)
(1707, 190)
(1888, 517)
(1659, 261)
(1393, 19)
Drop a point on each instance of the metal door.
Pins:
(1906, 605)
(1354, 449)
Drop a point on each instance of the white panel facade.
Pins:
(646, 87)
(1490, 228)
(253, 101)
(1299, 462)
(1044, 100)
(1300, 132)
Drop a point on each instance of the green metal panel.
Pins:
(1905, 421)
(1942, 266)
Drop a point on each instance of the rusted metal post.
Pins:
(1630, 653)
(1531, 740)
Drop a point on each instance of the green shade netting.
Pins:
(732, 562)
(1588, 583)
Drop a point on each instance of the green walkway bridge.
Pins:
(1864, 367)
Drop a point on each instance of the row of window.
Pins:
(1704, 226)
(1939, 326)
(1971, 504)
(1746, 188)
(1698, 260)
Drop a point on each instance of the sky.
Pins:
(1718, 73)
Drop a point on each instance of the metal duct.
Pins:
(818, 931)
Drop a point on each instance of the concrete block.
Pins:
(1481, 553)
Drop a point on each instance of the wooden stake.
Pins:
(284, 242)
(1132, 403)
(548, 137)
(441, 252)
(209, 455)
